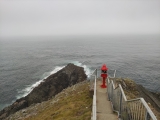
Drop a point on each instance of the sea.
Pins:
(26, 61)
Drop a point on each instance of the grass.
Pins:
(73, 103)
(129, 87)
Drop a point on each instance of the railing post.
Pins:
(114, 73)
(96, 74)
(111, 93)
(120, 105)
(147, 116)
(107, 90)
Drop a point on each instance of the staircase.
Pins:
(107, 102)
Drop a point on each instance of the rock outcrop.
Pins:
(51, 86)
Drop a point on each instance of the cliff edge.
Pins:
(72, 103)
(55, 83)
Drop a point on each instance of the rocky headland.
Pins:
(51, 86)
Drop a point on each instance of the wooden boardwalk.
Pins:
(104, 110)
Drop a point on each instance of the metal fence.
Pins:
(135, 109)
(93, 83)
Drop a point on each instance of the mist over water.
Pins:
(25, 62)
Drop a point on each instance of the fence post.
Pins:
(147, 116)
(96, 74)
(108, 89)
(120, 105)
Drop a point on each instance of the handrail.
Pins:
(134, 109)
(94, 107)
(114, 74)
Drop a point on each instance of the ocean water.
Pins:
(25, 62)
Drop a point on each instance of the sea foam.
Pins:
(24, 92)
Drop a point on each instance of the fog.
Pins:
(78, 17)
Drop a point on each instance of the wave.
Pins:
(24, 92)
(87, 69)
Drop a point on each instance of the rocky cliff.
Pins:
(51, 86)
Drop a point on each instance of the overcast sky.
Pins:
(79, 17)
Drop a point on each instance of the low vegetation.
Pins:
(129, 87)
(73, 103)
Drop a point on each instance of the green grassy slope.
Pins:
(73, 103)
